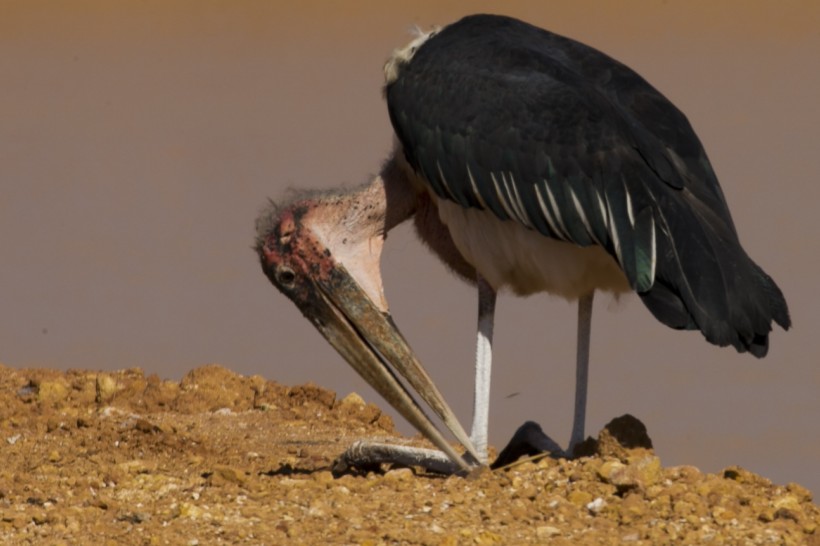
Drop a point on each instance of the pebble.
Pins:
(353, 399)
(106, 388)
(52, 392)
(596, 505)
(399, 475)
(546, 531)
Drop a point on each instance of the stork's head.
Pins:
(296, 256)
(301, 246)
(323, 253)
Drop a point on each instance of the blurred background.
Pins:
(139, 140)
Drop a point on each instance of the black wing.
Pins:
(539, 129)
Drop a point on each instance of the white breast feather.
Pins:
(507, 254)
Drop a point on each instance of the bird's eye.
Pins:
(285, 277)
(284, 238)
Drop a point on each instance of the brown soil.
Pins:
(223, 459)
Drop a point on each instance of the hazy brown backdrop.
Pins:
(138, 140)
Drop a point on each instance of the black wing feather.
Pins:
(498, 114)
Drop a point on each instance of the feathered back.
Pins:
(539, 129)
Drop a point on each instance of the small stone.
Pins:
(188, 510)
(801, 493)
(579, 498)
(766, 515)
(610, 471)
(684, 473)
(488, 537)
(54, 456)
(52, 392)
(546, 531)
(53, 423)
(352, 400)
(722, 515)
(529, 492)
(355, 407)
(682, 508)
(789, 502)
(633, 508)
(640, 473)
(399, 475)
(596, 505)
(647, 469)
(106, 388)
(229, 474)
(788, 507)
(39, 518)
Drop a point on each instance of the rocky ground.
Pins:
(219, 458)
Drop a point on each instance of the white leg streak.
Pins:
(581, 370)
(483, 366)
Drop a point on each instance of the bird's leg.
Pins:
(581, 371)
(483, 367)
(529, 439)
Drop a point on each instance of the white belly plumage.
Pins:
(507, 254)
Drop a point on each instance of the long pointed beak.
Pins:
(367, 338)
(385, 347)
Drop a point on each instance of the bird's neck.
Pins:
(354, 224)
(366, 212)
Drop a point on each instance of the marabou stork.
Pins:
(532, 162)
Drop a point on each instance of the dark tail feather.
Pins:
(705, 280)
(778, 311)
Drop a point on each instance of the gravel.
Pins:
(219, 458)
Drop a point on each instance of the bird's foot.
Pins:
(368, 455)
(529, 440)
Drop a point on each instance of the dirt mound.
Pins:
(219, 458)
